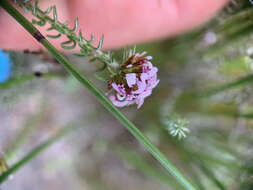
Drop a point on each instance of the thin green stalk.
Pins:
(238, 82)
(196, 177)
(132, 158)
(234, 20)
(25, 78)
(22, 136)
(211, 175)
(231, 32)
(99, 95)
(35, 152)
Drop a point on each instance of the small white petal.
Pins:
(149, 57)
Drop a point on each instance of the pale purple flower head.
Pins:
(135, 81)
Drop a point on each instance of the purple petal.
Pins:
(153, 71)
(118, 103)
(146, 93)
(144, 77)
(131, 79)
(115, 87)
(141, 87)
(139, 102)
(149, 57)
(140, 54)
(152, 83)
(119, 88)
(147, 66)
(155, 84)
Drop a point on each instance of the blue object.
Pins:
(5, 66)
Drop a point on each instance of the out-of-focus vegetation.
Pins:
(205, 78)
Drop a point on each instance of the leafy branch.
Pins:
(87, 49)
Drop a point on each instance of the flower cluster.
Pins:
(135, 81)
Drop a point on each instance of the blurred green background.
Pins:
(197, 73)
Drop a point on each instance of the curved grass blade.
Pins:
(75, 25)
(92, 38)
(79, 55)
(239, 82)
(146, 167)
(101, 69)
(49, 9)
(209, 173)
(25, 78)
(35, 152)
(55, 14)
(54, 36)
(41, 22)
(71, 44)
(100, 78)
(35, 6)
(51, 28)
(100, 43)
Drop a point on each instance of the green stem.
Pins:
(211, 175)
(35, 152)
(25, 78)
(238, 82)
(99, 95)
(146, 167)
